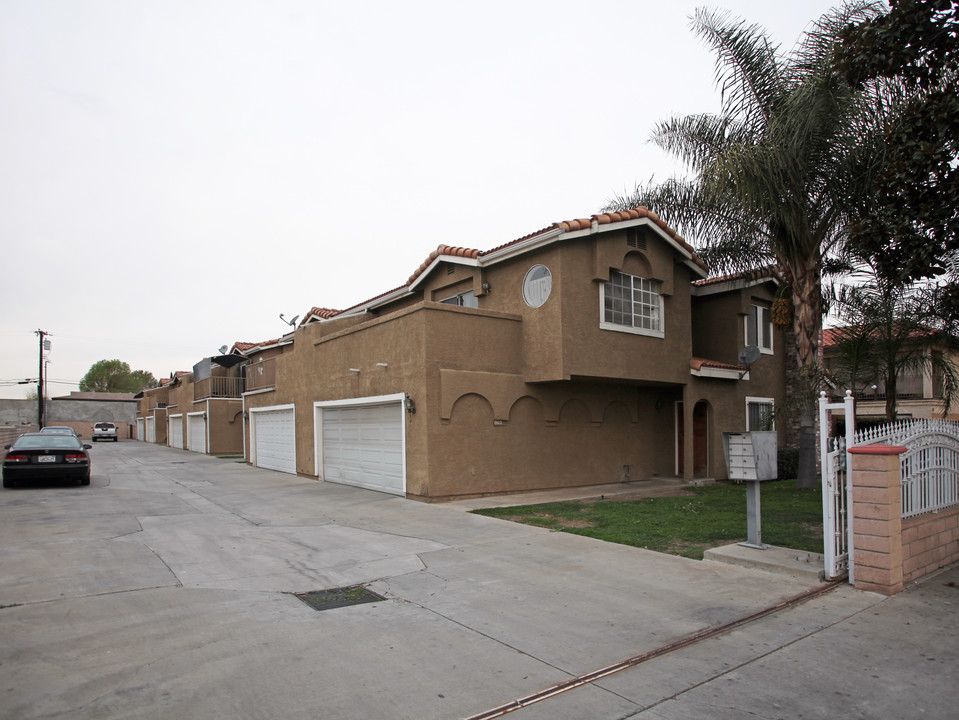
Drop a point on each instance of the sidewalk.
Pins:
(164, 590)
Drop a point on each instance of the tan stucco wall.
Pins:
(511, 397)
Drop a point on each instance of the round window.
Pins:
(537, 285)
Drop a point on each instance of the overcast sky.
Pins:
(174, 174)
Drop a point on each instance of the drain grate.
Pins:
(339, 597)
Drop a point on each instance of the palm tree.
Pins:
(890, 331)
(776, 176)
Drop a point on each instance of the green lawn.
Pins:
(685, 525)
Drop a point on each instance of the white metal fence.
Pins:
(930, 465)
(838, 550)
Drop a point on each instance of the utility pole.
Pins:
(42, 334)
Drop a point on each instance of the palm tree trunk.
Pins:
(892, 391)
(806, 283)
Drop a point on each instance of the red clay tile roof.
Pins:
(559, 227)
(323, 312)
(699, 363)
(443, 250)
(607, 219)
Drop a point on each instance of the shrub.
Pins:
(787, 463)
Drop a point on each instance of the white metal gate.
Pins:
(837, 488)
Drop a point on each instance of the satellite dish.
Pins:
(748, 355)
(292, 322)
(223, 349)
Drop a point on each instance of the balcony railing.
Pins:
(218, 387)
(908, 387)
(261, 375)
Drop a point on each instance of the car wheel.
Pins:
(9, 483)
(84, 481)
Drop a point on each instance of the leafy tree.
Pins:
(115, 376)
(912, 223)
(776, 176)
(889, 331)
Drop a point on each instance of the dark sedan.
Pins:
(46, 456)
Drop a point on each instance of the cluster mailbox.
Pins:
(751, 458)
(751, 455)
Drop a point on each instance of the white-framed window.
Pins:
(631, 304)
(464, 299)
(759, 328)
(760, 414)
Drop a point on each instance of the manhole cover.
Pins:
(339, 597)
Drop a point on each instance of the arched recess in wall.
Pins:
(527, 410)
(575, 412)
(635, 263)
(472, 408)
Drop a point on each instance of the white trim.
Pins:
(604, 325)
(258, 392)
(373, 400)
(760, 329)
(523, 247)
(763, 401)
(721, 373)
(729, 285)
(270, 408)
(453, 259)
(676, 411)
(206, 432)
(169, 429)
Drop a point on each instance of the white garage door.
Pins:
(140, 433)
(151, 429)
(274, 440)
(176, 431)
(363, 446)
(196, 430)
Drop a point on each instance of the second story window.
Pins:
(465, 299)
(632, 304)
(759, 328)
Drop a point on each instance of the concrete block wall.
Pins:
(929, 542)
(890, 551)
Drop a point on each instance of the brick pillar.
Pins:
(877, 517)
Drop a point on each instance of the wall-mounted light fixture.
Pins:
(382, 365)
(410, 405)
(356, 370)
(485, 287)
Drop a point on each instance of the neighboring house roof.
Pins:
(832, 336)
(566, 229)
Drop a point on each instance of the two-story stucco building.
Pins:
(590, 352)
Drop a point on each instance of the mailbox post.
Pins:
(751, 458)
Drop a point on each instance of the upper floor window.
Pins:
(632, 304)
(464, 299)
(759, 328)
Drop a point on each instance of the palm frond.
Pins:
(747, 66)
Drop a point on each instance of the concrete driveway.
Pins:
(163, 590)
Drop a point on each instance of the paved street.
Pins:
(163, 590)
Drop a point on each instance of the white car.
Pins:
(105, 431)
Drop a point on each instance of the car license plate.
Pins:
(46, 458)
